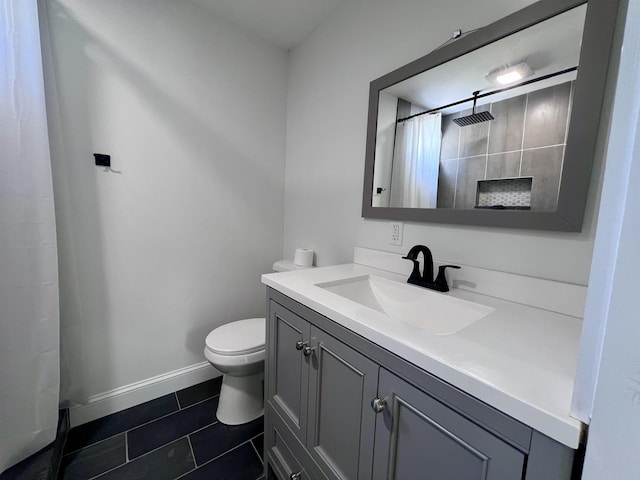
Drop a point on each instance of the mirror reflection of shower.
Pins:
(512, 128)
(416, 161)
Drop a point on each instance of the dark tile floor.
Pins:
(175, 436)
(45, 464)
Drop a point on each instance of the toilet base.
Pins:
(241, 399)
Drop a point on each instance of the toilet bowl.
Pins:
(237, 349)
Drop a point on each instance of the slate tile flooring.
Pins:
(171, 437)
(45, 464)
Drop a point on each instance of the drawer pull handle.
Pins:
(378, 404)
(307, 351)
(300, 344)
(295, 476)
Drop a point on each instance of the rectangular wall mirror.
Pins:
(496, 128)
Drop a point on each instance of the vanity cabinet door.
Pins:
(287, 367)
(341, 422)
(419, 437)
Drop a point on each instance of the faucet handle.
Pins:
(415, 274)
(441, 279)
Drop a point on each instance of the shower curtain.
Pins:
(29, 338)
(416, 162)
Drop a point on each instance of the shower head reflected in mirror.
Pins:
(474, 118)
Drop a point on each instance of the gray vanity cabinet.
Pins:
(339, 407)
(416, 433)
(321, 390)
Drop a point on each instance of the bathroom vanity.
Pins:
(353, 392)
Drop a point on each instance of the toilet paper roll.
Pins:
(303, 257)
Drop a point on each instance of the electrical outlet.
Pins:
(395, 237)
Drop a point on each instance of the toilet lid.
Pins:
(237, 338)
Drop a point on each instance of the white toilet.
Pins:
(237, 350)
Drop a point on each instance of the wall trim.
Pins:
(136, 393)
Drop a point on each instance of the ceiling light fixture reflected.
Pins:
(508, 75)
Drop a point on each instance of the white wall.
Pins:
(614, 433)
(173, 244)
(327, 96)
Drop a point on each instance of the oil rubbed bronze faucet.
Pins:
(425, 279)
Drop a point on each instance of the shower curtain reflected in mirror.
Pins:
(416, 162)
(29, 331)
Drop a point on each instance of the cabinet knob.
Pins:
(378, 404)
(295, 476)
(307, 351)
(300, 345)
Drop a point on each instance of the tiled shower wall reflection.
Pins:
(527, 138)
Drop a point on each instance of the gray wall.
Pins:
(527, 138)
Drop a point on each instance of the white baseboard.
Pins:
(136, 393)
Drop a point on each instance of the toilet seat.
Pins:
(249, 364)
(242, 337)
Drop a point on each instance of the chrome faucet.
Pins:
(425, 279)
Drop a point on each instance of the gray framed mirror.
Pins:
(496, 128)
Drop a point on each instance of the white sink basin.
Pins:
(426, 309)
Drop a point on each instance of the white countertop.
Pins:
(519, 359)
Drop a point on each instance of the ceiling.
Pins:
(548, 47)
(282, 22)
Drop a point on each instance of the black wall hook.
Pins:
(102, 160)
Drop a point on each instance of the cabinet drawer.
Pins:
(285, 454)
(282, 460)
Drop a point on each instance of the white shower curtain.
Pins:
(416, 162)
(29, 338)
